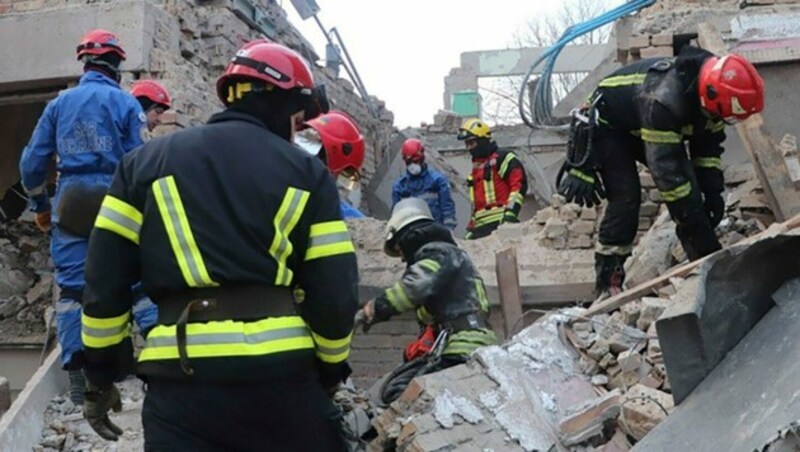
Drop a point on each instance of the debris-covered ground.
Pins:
(26, 281)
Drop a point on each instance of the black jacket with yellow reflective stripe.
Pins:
(227, 203)
(442, 284)
(657, 99)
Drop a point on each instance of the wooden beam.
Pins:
(767, 159)
(508, 286)
(648, 287)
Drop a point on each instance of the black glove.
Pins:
(582, 187)
(714, 207)
(97, 402)
(363, 319)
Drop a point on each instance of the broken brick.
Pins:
(585, 422)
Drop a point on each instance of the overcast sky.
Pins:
(404, 49)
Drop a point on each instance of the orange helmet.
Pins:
(730, 88)
(413, 150)
(343, 143)
(99, 42)
(151, 90)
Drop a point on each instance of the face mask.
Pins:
(414, 169)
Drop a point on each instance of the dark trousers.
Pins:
(286, 415)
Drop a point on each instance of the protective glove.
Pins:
(43, 221)
(582, 187)
(365, 317)
(97, 402)
(715, 207)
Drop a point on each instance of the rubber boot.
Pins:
(610, 274)
(77, 386)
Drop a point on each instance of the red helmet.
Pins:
(413, 150)
(343, 143)
(731, 88)
(152, 90)
(269, 62)
(99, 42)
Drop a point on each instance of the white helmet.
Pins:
(405, 212)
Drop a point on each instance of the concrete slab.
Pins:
(132, 21)
(713, 311)
(749, 397)
(21, 426)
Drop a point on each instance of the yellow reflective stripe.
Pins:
(430, 264)
(707, 162)
(119, 217)
(424, 316)
(398, 298)
(622, 80)
(613, 250)
(488, 189)
(483, 300)
(332, 350)
(230, 338)
(190, 262)
(99, 333)
(471, 186)
(467, 341)
(715, 126)
(582, 176)
(661, 136)
(677, 193)
(506, 161)
(294, 202)
(484, 217)
(329, 239)
(515, 198)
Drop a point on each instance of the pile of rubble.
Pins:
(26, 281)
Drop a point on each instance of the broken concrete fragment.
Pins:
(589, 213)
(579, 242)
(642, 409)
(600, 380)
(599, 349)
(648, 209)
(588, 366)
(607, 361)
(580, 227)
(631, 312)
(584, 422)
(651, 310)
(618, 443)
(569, 212)
(629, 361)
(628, 338)
(545, 214)
(555, 228)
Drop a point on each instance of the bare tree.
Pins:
(500, 93)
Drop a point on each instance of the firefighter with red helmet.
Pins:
(335, 139)
(648, 112)
(421, 181)
(223, 224)
(497, 183)
(85, 130)
(153, 98)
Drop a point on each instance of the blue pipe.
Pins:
(542, 107)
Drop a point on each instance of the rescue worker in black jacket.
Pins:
(221, 223)
(647, 112)
(440, 283)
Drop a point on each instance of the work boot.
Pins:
(77, 386)
(698, 240)
(610, 274)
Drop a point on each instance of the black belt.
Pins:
(247, 302)
(472, 321)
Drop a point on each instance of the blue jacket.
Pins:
(431, 186)
(349, 211)
(89, 127)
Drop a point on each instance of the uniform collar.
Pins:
(230, 115)
(97, 77)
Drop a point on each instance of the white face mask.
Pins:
(414, 169)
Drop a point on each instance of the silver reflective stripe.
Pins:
(327, 239)
(176, 223)
(103, 332)
(142, 304)
(67, 305)
(332, 351)
(230, 338)
(613, 250)
(120, 219)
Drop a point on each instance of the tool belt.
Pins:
(244, 302)
(471, 321)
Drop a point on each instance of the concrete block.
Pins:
(579, 242)
(663, 39)
(712, 312)
(598, 350)
(755, 385)
(581, 227)
(644, 223)
(646, 180)
(655, 195)
(651, 310)
(629, 361)
(648, 209)
(638, 42)
(630, 312)
(656, 52)
(584, 422)
(607, 361)
(643, 408)
(589, 213)
(569, 212)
